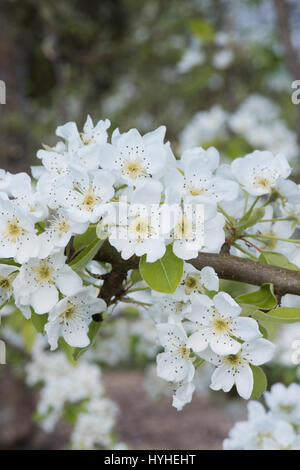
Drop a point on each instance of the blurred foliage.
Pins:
(119, 59)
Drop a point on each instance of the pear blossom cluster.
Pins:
(197, 324)
(92, 189)
(93, 413)
(274, 428)
(257, 120)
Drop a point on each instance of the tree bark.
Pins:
(228, 267)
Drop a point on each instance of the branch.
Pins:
(228, 267)
(113, 281)
(284, 25)
(233, 268)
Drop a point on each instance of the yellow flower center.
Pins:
(13, 230)
(219, 324)
(139, 228)
(185, 352)
(90, 200)
(86, 139)
(4, 283)
(44, 272)
(234, 360)
(63, 226)
(68, 313)
(286, 408)
(183, 229)
(134, 169)
(179, 306)
(194, 191)
(192, 283)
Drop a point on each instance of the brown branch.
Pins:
(113, 281)
(233, 268)
(291, 56)
(284, 25)
(228, 267)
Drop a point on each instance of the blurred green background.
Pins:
(215, 72)
(143, 64)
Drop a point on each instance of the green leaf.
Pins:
(276, 259)
(9, 261)
(279, 315)
(251, 218)
(263, 298)
(247, 309)
(29, 334)
(92, 334)
(86, 255)
(67, 349)
(259, 382)
(203, 29)
(198, 362)
(263, 331)
(39, 321)
(72, 410)
(85, 239)
(164, 274)
(136, 276)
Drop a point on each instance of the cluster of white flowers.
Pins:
(257, 120)
(124, 339)
(86, 182)
(79, 386)
(205, 127)
(195, 53)
(275, 429)
(217, 333)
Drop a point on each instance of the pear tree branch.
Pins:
(228, 267)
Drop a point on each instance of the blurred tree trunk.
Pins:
(13, 137)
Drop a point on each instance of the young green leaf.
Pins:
(86, 255)
(279, 315)
(85, 239)
(164, 274)
(67, 349)
(9, 261)
(251, 218)
(136, 276)
(262, 298)
(202, 29)
(39, 321)
(277, 259)
(259, 382)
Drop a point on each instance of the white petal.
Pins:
(199, 341)
(258, 352)
(224, 345)
(244, 381)
(222, 379)
(183, 395)
(226, 305)
(209, 278)
(76, 335)
(169, 334)
(68, 281)
(44, 299)
(52, 330)
(246, 328)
